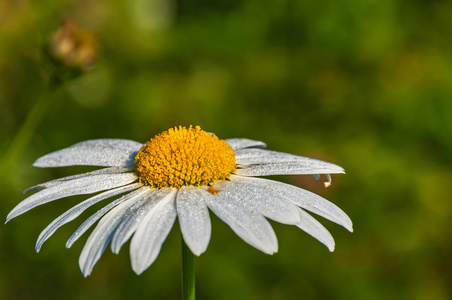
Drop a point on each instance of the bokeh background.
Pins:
(365, 84)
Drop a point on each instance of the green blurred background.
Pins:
(365, 84)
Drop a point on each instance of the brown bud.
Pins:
(74, 47)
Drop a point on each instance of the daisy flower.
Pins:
(181, 173)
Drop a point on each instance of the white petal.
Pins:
(304, 199)
(77, 210)
(131, 222)
(79, 186)
(260, 156)
(313, 227)
(194, 219)
(237, 144)
(270, 205)
(45, 185)
(103, 152)
(152, 232)
(295, 168)
(102, 234)
(243, 219)
(99, 214)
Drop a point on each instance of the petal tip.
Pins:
(15, 212)
(330, 244)
(198, 252)
(10, 216)
(348, 225)
(138, 272)
(273, 252)
(39, 163)
(115, 247)
(338, 170)
(86, 270)
(198, 249)
(138, 268)
(86, 274)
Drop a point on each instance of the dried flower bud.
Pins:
(74, 47)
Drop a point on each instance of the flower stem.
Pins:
(26, 131)
(188, 273)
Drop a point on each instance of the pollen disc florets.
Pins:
(180, 157)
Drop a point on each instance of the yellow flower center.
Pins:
(180, 157)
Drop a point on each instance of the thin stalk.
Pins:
(26, 131)
(188, 273)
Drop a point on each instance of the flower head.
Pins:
(182, 157)
(181, 173)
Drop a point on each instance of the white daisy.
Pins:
(181, 173)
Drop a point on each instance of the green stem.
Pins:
(188, 273)
(26, 131)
